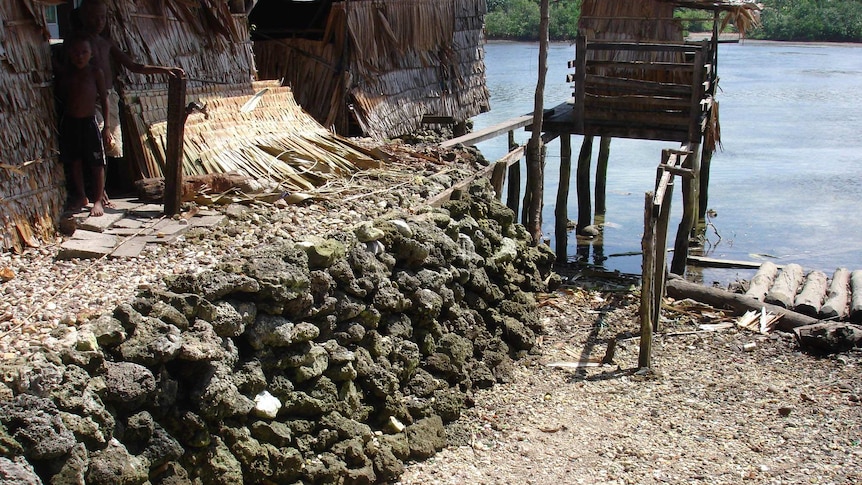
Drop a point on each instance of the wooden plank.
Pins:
(637, 102)
(131, 248)
(723, 263)
(637, 86)
(471, 139)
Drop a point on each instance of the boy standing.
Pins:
(92, 20)
(81, 86)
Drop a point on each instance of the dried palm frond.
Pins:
(745, 17)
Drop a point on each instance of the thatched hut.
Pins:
(251, 127)
(636, 77)
(31, 180)
(376, 66)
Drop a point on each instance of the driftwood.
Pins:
(835, 305)
(829, 337)
(856, 296)
(154, 188)
(783, 291)
(762, 281)
(679, 288)
(808, 300)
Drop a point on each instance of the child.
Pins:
(80, 86)
(92, 18)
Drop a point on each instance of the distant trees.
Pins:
(809, 20)
(801, 20)
(519, 19)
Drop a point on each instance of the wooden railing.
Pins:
(682, 163)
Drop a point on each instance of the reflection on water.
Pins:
(787, 183)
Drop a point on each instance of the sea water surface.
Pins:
(786, 185)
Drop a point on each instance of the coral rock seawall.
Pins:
(332, 360)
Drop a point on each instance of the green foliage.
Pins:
(694, 20)
(519, 19)
(810, 20)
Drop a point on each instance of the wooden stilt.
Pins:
(690, 189)
(660, 269)
(583, 184)
(514, 193)
(174, 150)
(562, 212)
(498, 178)
(602, 174)
(705, 162)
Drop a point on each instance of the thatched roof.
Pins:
(31, 179)
(386, 64)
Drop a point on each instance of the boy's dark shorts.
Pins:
(80, 139)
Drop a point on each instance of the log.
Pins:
(783, 291)
(829, 337)
(762, 281)
(856, 296)
(835, 305)
(808, 300)
(679, 288)
(153, 189)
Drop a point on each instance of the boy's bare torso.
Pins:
(80, 87)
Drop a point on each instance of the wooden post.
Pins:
(705, 162)
(562, 212)
(697, 94)
(690, 186)
(498, 177)
(174, 150)
(514, 194)
(661, 252)
(647, 282)
(535, 158)
(580, 81)
(602, 174)
(582, 183)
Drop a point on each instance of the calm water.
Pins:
(787, 185)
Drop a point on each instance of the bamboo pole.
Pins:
(175, 127)
(561, 211)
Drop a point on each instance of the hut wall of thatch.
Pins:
(31, 177)
(205, 38)
(387, 64)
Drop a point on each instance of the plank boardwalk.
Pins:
(126, 229)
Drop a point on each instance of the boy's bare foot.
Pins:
(106, 202)
(97, 210)
(77, 205)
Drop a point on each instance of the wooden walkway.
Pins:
(126, 229)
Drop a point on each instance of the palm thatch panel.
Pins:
(201, 36)
(386, 64)
(261, 133)
(31, 177)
